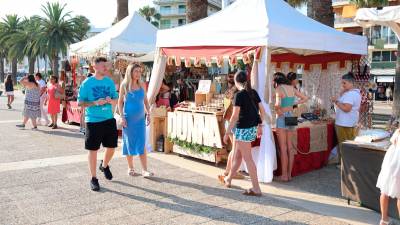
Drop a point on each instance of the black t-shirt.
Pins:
(9, 86)
(248, 116)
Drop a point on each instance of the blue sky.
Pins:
(101, 13)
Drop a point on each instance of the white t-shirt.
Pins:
(42, 84)
(349, 119)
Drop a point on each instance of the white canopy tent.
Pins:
(273, 26)
(387, 16)
(132, 35)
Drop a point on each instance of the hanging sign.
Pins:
(196, 128)
(204, 87)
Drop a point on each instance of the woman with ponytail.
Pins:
(245, 125)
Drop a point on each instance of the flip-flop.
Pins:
(251, 193)
(222, 180)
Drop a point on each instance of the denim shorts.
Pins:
(245, 134)
(280, 121)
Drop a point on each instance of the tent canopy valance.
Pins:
(132, 35)
(387, 16)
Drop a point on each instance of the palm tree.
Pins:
(319, 10)
(3, 55)
(122, 9)
(58, 31)
(22, 43)
(82, 26)
(10, 25)
(196, 10)
(150, 14)
(369, 3)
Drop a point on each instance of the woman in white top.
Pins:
(347, 110)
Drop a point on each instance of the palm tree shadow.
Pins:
(195, 208)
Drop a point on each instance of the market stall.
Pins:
(278, 37)
(131, 39)
(359, 178)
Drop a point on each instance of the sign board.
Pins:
(204, 87)
(196, 128)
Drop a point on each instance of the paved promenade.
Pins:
(44, 180)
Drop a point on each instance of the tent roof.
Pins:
(387, 16)
(133, 34)
(271, 23)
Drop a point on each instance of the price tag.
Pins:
(204, 87)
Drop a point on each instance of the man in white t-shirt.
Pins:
(347, 108)
(43, 96)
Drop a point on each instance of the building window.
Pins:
(182, 9)
(181, 22)
(165, 24)
(394, 56)
(165, 9)
(379, 35)
(386, 56)
(376, 56)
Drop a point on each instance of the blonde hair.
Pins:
(127, 82)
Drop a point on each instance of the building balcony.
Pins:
(342, 22)
(340, 2)
(173, 13)
(168, 2)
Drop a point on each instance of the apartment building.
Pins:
(173, 12)
(382, 42)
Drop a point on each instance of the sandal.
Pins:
(222, 180)
(132, 173)
(384, 222)
(147, 174)
(250, 192)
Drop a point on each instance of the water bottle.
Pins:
(160, 144)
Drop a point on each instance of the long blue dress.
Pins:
(134, 135)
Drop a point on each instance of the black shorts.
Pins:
(102, 133)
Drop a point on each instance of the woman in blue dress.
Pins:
(133, 106)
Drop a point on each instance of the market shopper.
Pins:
(32, 101)
(245, 125)
(9, 88)
(97, 94)
(389, 177)
(164, 95)
(228, 106)
(285, 97)
(134, 110)
(347, 107)
(54, 91)
(43, 97)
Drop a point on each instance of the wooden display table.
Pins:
(199, 129)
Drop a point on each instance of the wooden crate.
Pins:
(158, 127)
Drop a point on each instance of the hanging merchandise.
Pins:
(220, 61)
(178, 61)
(197, 62)
(188, 62)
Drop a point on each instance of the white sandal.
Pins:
(384, 222)
(132, 173)
(147, 174)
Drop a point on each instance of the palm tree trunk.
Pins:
(45, 64)
(2, 75)
(38, 64)
(321, 11)
(122, 9)
(31, 62)
(54, 64)
(396, 95)
(196, 10)
(14, 65)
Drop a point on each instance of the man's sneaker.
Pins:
(106, 171)
(35, 129)
(94, 184)
(21, 126)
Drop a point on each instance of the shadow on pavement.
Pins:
(198, 208)
(64, 132)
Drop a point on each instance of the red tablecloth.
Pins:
(74, 112)
(307, 162)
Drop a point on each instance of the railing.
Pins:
(342, 20)
(160, 2)
(173, 12)
(340, 2)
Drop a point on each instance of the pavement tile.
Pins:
(298, 216)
